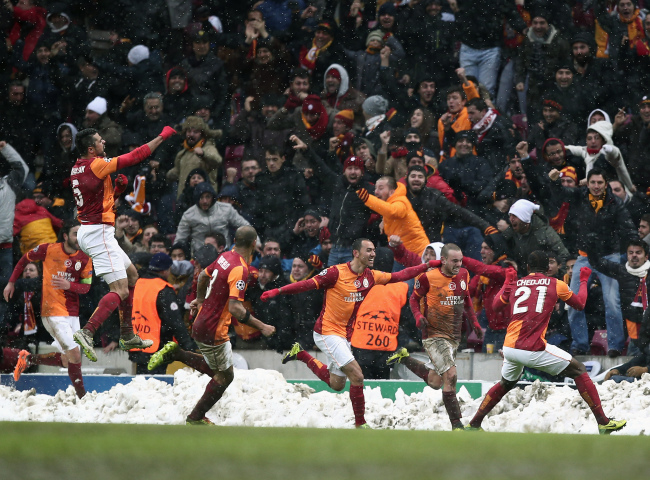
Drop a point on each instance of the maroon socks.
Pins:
(126, 309)
(51, 359)
(194, 360)
(106, 306)
(453, 409)
(316, 366)
(358, 404)
(493, 397)
(74, 372)
(590, 395)
(212, 394)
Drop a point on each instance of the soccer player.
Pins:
(531, 301)
(93, 192)
(67, 272)
(346, 286)
(220, 296)
(445, 291)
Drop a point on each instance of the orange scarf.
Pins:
(199, 144)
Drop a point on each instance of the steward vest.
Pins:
(146, 321)
(377, 323)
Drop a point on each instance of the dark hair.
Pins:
(390, 181)
(552, 142)
(299, 73)
(538, 261)
(16, 83)
(85, 140)
(67, 226)
(356, 245)
(637, 242)
(479, 103)
(646, 218)
(274, 150)
(250, 159)
(456, 89)
(182, 246)
(219, 238)
(161, 237)
(597, 171)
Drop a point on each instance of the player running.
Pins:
(94, 195)
(445, 291)
(219, 296)
(532, 300)
(346, 286)
(67, 272)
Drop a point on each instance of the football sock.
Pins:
(52, 359)
(74, 372)
(316, 366)
(416, 367)
(126, 308)
(358, 404)
(9, 359)
(105, 307)
(212, 394)
(453, 408)
(589, 393)
(194, 360)
(494, 395)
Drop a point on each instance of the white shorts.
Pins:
(442, 353)
(109, 260)
(218, 357)
(553, 361)
(61, 329)
(337, 350)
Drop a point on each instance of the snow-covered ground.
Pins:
(263, 398)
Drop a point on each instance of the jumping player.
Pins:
(531, 301)
(346, 286)
(67, 272)
(220, 296)
(445, 291)
(93, 192)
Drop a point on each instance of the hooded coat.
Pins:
(197, 223)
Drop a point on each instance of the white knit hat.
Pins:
(137, 54)
(98, 105)
(523, 210)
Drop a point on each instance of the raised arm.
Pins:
(413, 272)
(140, 153)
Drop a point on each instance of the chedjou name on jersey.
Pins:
(533, 281)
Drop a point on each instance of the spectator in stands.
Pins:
(15, 127)
(377, 117)
(304, 306)
(339, 94)
(455, 119)
(217, 240)
(177, 99)
(493, 134)
(634, 141)
(597, 210)
(160, 243)
(199, 151)
(321, 50)
(97, 117)
(298, 90)
(186, 200)
(552, 125)
(305, 234)
(34, 225)
(644, 228)
(206, 216)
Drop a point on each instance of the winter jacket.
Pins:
(207, 76)
(480, 23)
(540, 59)
(540, 236)
(367, 66)
(400, 219)
(187, 160)
(634, 141)
(197, 223)
(35, 225)
(9, 187)
(467, 175)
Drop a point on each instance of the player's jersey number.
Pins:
(77, 193)
(523, 293)
(214, 277)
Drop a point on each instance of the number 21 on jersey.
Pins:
(523, 294)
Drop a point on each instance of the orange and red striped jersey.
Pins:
(532, 300)
(93, 190)
(446, 299)
(229, 274)
(75, 268)
(344, 292)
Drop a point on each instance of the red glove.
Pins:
(363, 194)
(490, 230)
(316, 262)
(434, 263)
(421, 322)
(167, 132)
(120, 184)
(511, 275)
(266, 296)
(585, 273)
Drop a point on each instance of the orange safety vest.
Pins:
(145, 318)
(377, 323)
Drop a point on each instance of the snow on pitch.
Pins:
(263, 398)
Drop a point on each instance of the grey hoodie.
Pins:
(9, 186)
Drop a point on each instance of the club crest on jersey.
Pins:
(463, 285)
(77, 266)
(357, 284)
(68, 263)
(365, 283)
(240, 285)
(417, 284)
(323, 273)
(452, 286)
(107, 160)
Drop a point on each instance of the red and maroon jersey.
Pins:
(93, 190)
(446, 299)
(229, 275)
(75, 268)
(344, 292)
(532, 301)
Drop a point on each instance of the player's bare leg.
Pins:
(355, 375)
(577, 371)
(213, 392)
(450, 399)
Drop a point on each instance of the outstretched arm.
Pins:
(578, 301)
(140, 153)
(292, 289)
(502, 298)
(237, 310)
(413, 272)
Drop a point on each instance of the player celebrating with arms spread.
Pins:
(67, 272)
(532, 300)
(93, 192)
(346, 286)
(447, 300)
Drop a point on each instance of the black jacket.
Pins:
(275, 312)
(480, 23)
(467, 175)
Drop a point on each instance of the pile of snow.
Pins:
(263, 398)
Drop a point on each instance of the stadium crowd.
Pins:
(503, 126)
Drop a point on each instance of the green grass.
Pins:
(49, 451)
